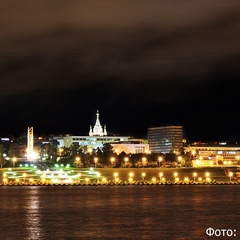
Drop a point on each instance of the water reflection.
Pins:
(33, 216)
(119, 212)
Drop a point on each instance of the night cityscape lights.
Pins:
(29, 174)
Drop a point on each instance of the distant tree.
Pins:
(66, 160)
(181, 151)
(107, 149)
(23, 138)
(86, 160)
(2, 158)
(74, 150)
(99, 152)
(170, 157)
(188, 157)
(107, 153)
(136, 159)
(121, 161)
(51, 151)
(12, 152)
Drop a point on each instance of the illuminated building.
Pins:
(98, 137)
(212, 154)
(131, 146)
(165, 139)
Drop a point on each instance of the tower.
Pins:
(29, 143)
(90, 131)
(97, 129)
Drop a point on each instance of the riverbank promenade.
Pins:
(28, 175)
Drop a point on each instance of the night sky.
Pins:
(140, 63)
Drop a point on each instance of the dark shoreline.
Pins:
(122, 184)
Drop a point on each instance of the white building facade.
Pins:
(214, 155)
(98, 137)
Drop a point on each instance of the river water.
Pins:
(119, 212)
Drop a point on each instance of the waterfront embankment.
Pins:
(30, 175)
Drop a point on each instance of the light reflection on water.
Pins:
(117, 212)
(33, 216)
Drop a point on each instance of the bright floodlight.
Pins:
(34, 156)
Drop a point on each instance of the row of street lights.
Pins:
(130, 178)
(207, 175)
(5, 178)
(126, 160)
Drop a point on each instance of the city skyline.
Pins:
(141, 64)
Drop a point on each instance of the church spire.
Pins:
(90, 131)
(97, 129)
(105, 131)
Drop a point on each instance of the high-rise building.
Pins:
(165, 139)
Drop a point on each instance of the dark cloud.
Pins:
(149, 62)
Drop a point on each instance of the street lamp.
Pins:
(175, 176)
(143, 175)
(4, 178)
(237, 159)
(98, 175)
(112, 161)
(126, 161)
(180, 159)
(160, 176)
(154, 180)
(186, 180)
(14, 159)
(207, 174)
(77, 160)
(230, 174)
(194, 176)
(130, 176)
(90, 150)
(95, 161)
(87, 180)
(159, 161)
(116, 179)
(79, 175)
(143, 161)
(24, 176)
(60, 150)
